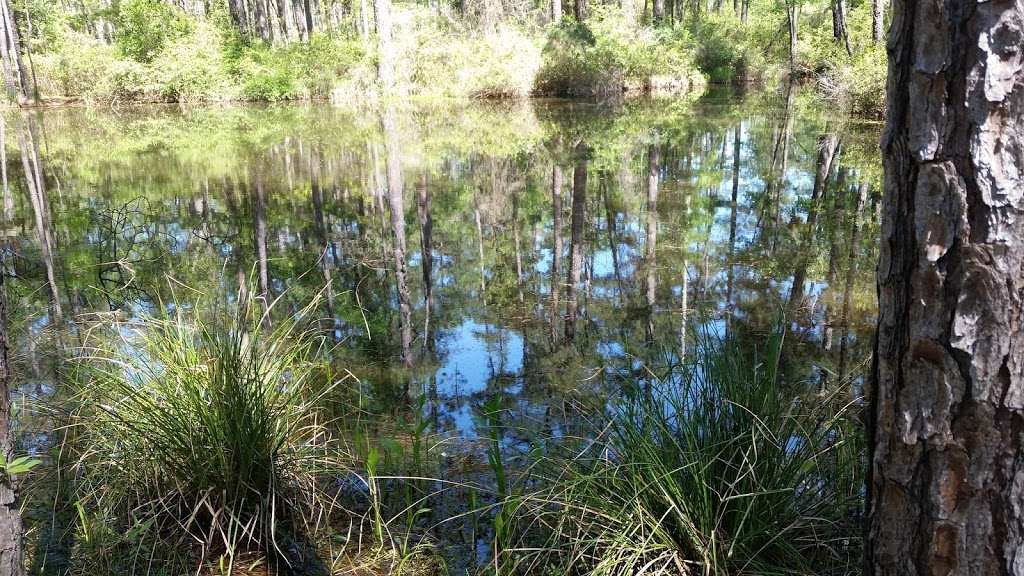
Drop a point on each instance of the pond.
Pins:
(541, 253)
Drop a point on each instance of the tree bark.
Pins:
(556, 249)
(556, 11)
(396, 204)
(658, 11)
(651, 243)
(791, 25)
(839, 29)
(733, 208)
(424, 214)
(579, 10)
(11, 551)
(826, 154)
(35, 182)
(877, 20)
(11, 45)
(579, 207)
(947, 405)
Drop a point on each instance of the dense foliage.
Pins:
(188, 51)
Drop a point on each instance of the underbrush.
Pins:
(609, 55)
(728, 50)
(722, 472)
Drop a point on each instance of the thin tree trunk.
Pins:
(396, 203)
(947, 404)
(36, 185)
(826, 154)
(426, 221)
(877, 20)
(556, 249)
(556, 11)
(791, 24)
(733, 207)
(651, 242)
(579, 206)
(839, 30)
(579, 9)
(851, 276)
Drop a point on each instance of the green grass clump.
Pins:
(210, 432)
(720, 473)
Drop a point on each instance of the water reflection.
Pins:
(535, 251)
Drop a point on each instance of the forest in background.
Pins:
(355, 50)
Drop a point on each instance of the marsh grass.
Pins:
(725, 471)
(211, 431)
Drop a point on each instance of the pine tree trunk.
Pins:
(651, 242)
(877, 18)
(579, 207)
(839, 30)
(556, 249)
(947, 478)
(579, 9)
(396, 204)
(11, 554)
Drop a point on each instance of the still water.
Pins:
(531, 251)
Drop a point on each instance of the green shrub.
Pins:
(729, 50)
(722, 472)
(608, 55)
(860, 83)
(145, 26)
(502, 62)
(86, 68)
(193, 67)
(209, 432)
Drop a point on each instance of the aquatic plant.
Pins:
(721, 472)
(211, 429)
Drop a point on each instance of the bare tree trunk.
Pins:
(396, 203)
(579, 9)
(328, 254)
(11, 551)
(826, 154)
(658, 11)
(651, 242)
(259, 215)
(832, 279)
(851, 276)
(877, 20)
(579, 207)
(556, 11)
(791, 24)
(426, 222)
(947, 405)
(730, 275)
(10, 44)
(839, 30)
(556, 249)
(36, 185)
(385, 55)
